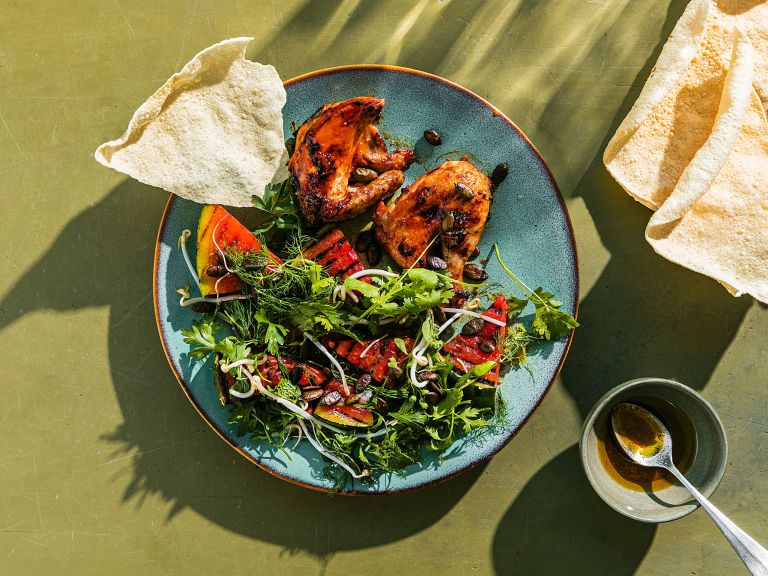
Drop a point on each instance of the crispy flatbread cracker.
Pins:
(751, 16)
(694, 146)
(213, 133)
(715, 221)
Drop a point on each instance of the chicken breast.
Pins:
(452, 200)
(335, 140)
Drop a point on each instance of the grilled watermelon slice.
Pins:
(335, 253)
(229, 232)
(346, 415)
(271, 374)
(465, 351)
(376, 359)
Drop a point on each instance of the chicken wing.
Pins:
(452, 200)
(335, 140)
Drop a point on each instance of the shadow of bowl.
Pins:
(558, 525)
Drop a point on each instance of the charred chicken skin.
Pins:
(337, 139)
(452, 200)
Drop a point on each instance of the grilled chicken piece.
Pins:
(335, 140)
(456, 194)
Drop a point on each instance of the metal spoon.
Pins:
(659, 455)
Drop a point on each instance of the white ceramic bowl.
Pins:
(705, 472)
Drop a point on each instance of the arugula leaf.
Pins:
(368, 290)
(476, 372)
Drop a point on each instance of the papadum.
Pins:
(213, 133)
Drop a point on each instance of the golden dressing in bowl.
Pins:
(639, 432)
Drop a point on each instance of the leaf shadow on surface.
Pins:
(173, 454)
(642, 316)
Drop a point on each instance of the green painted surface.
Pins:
(105, 468)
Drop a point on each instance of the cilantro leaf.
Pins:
(202, 336)
(550, 321)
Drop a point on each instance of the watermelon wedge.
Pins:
(376, 358)
(218, 227)
(335, 253)
(465, 351)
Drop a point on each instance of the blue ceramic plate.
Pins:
(528, 220)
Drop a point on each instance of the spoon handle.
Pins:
(754, 556)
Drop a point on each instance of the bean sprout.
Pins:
(216, 286)
(319, 447)
(216, 300)
(475, 315)
(373, 272)
(221, 252)
(183, 243)
(333, 360)
(365, 351)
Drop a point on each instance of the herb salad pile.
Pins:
(279, 367)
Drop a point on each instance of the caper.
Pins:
(215, 271)
(500, 173)
(475, 273)
(436, 263)
(433, 137)
(364, 175)
(475, 253)
(381, 406)
(439, 314)
(486, 347)
(473, 327)
(363, 382)
(311, 394)
(253, 265)
(464, 190)
(331, 398)
(360, 398)
(447, 222)
(203, 307)
(427, 375)
(432, 398)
